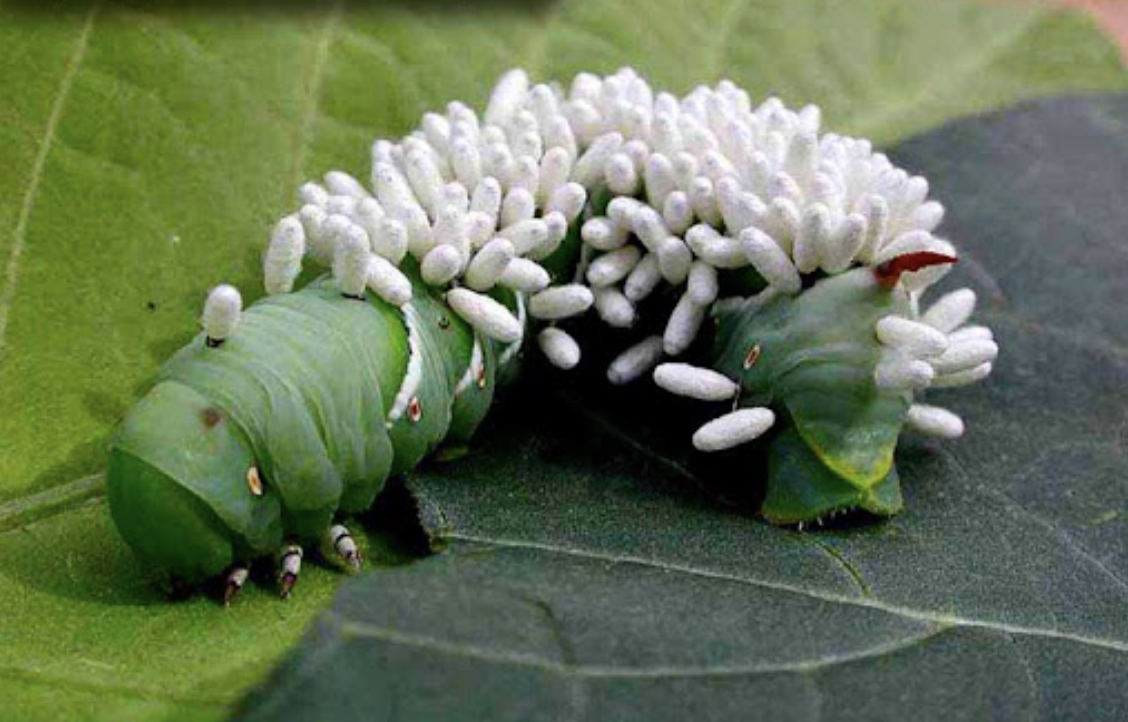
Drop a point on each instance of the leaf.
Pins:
(147, 152)
(586, 580)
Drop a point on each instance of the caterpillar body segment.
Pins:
(303, 394)
(746, 260)
(174, 484)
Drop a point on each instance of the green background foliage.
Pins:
(146, 152)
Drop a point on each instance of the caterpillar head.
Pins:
(820, 359)
(177, 484)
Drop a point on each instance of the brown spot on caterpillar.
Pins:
(751, 357)
(211, 417)
(414, 409)
(888, 273)
(254, 481)
(482, 378)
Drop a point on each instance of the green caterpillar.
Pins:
(277, 422)
(306, 397)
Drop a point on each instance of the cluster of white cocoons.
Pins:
(476, 202)
(938, 350)
(708, 183)
(698, 184)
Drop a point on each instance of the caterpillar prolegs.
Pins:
(809, 253)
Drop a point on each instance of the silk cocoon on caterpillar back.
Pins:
(278, 422)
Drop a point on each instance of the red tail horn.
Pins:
(888, 273)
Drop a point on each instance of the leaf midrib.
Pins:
(908, 613)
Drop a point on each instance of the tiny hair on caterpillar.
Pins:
(785, 268)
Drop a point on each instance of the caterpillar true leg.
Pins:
(344, 545)
(236, 579)
(290, 563)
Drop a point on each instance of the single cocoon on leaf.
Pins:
(935, 421)
(559, 348)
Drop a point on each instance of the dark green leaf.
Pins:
(586, 580)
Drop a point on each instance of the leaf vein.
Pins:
(55, 500)
(847, 566)
(868, 603)
(11, 279)
(312, 98)
(1066, 539)
(594, 671)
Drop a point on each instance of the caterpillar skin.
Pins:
(307, 396)
(838, 452)
(811, 255)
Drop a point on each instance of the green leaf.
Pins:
(587, 579)
(145, 154)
